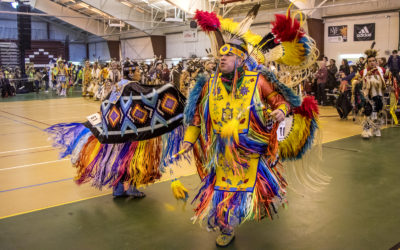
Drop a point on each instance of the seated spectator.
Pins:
(308, 86)
(345, 67)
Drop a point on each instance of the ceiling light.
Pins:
(97, 11)
(84, 5)
(129, 4)
(139, 9)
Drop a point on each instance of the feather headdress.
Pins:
(287, 44)
(371, 52)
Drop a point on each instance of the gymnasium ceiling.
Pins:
(115, 19)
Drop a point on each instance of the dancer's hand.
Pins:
(186, 147)
(278, 115)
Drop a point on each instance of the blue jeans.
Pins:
(37, 85)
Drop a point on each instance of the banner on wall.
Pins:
(337, 34)
(190, 35)
(364, 32)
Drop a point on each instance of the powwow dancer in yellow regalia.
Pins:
(87, 78)
(62, 77)
(234, 119)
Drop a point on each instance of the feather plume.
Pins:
(268, 42)
(286, 28)
(179, 191)
(245, 24)
(208, 21)
(371, 52)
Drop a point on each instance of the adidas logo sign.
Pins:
(364, 32)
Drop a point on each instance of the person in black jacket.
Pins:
(45, 79)
(343, 103)
(345, 67)
(394, 64)
(332, 71)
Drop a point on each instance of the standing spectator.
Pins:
(394, 64)
(343, 103)
(79, 76)
(165, 74)
(332, 71)
(53, 77)
(37, 79)
(382, 62)
(45, 79)
(6, 89)
(209, 68)
(345, 67)
(325, 60)
(322, 77)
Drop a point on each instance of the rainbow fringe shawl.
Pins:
(137, 162)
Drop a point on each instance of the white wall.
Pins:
(176, 47)
(77, 52)
(137, 48)
(39, 31)
(386, 35)
(58, 32)
(98, 51)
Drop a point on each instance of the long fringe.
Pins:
(171, 145)
(192, 101)
(222, 209)
(138, 163)
(66, 136)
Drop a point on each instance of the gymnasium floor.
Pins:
(42, 208)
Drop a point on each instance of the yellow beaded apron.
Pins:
(223, 107)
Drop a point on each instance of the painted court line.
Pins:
(22, 122)
(24, 149)
(88, 198)
(35, 185)
(52, 206)
(31, 165)
(64, 203)
(27, 118)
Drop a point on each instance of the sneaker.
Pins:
(365, 134)
(132, 191)
(224, 239)
(377, 132)
(119, 191)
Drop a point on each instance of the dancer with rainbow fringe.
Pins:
(233, 121)
(241, 124)
(127, 144)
